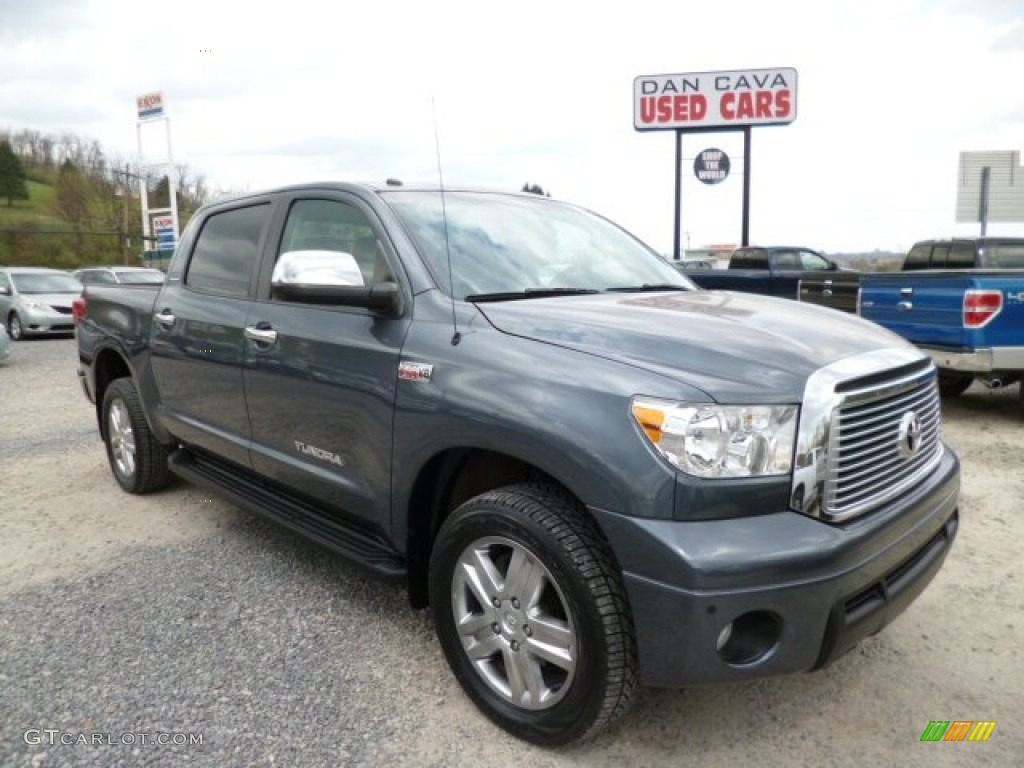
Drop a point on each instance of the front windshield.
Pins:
(42, 282)
(509, 244)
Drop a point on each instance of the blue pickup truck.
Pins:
(970, 322)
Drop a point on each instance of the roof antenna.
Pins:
(456, 336)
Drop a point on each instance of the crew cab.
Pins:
(595, 474)
(970, 322)
(791, 272)
(966, 253)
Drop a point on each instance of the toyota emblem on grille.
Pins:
(910, 435)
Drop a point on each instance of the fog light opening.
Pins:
(749, 638)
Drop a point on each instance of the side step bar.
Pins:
(247, 491)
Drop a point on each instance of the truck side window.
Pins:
(918, 257)
(812, 262)
(329, 225)
(1006, 256)
(961, 256)
(227, 250)
(748, 258)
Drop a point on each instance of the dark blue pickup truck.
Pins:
(594, 473)
(970, 322)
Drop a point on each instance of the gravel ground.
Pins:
(126, 617)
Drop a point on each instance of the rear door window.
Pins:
(749, 258)
(227, 250)
(961, 256)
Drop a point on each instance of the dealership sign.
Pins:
(697, 100)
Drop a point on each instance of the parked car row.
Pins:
(36, 301)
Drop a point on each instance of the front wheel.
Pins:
(137, 458)
(532, 614)
(14, 327)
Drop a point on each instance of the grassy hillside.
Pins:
(32, 232)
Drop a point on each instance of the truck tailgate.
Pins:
(835, 288)
(928, 307)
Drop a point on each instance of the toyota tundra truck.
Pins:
(595, 474)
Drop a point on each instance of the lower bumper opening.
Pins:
(865, 612)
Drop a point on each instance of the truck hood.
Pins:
(741, 347)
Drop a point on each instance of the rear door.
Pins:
(197, 346)
(320, 380)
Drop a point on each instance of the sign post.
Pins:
(711, 102)
(162, 228)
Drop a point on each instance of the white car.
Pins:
(37, 301)
(119, 275)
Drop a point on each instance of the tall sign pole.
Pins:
(159, 224)
(712, 102)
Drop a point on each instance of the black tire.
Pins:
(954, 384)
(137, 459)
(580, 653)
(14, 327)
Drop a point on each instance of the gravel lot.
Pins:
(176, 614)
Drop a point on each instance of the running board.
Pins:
(249, 492)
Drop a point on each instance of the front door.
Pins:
(320, 385)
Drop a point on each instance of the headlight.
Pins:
(33, 304)
(709, 440)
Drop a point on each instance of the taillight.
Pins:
(78, 309)
(981, 306)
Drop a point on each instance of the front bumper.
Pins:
(822, 586)
(39, 322)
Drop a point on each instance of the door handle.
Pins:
(259, 335)
(905, 306)
(906, 291)
(165, 317)
(827, 292)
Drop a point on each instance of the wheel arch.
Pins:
(108, 365)
(444, 482)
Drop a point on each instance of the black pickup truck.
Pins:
(594, 473)
(787, 271)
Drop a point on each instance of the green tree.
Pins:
(73, 194)
(12, 175)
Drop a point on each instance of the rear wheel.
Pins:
(532, 614)
(137, 459)
(14, 327)
(954, 384)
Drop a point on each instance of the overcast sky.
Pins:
(890, 92)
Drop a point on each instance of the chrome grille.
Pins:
(884, 437)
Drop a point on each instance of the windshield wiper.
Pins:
(649, 287)
(529, 293)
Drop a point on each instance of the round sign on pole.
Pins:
(711, 166)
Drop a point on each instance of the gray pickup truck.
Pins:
(596, 474)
